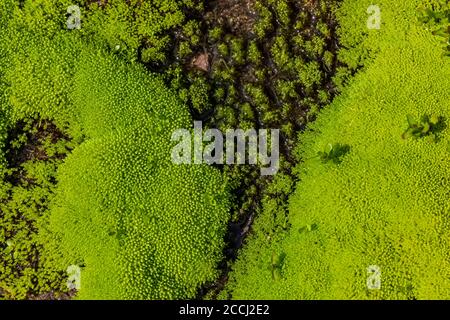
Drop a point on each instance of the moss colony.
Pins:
(86, 117)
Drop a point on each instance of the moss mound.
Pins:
(137, 225)
(386, 203)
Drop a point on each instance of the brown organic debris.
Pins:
(238, 15)
(201, 62)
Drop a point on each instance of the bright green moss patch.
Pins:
(386, 203)
(140, 226)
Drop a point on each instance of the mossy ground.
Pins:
(233, 64)
(385, 202)
(243, 80)
(250, 75)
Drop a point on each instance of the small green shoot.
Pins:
(276, 265)
(333, 153)
(427, 125)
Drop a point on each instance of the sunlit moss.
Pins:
(385, 203)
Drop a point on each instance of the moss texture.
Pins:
(119, 119)
(386, 203)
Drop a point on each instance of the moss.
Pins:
(184, 49)
(267, 75)
(223, 49)
(215, 34)
(119, 175)
(280, 53)
(437, 17)
(237, 50)
(254, 54)
(27, 185)
(141, 185)
(385, 203)
(199, 90)
(264, 23)
(135, 24)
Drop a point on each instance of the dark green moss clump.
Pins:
(34, 149)
(260, 63)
